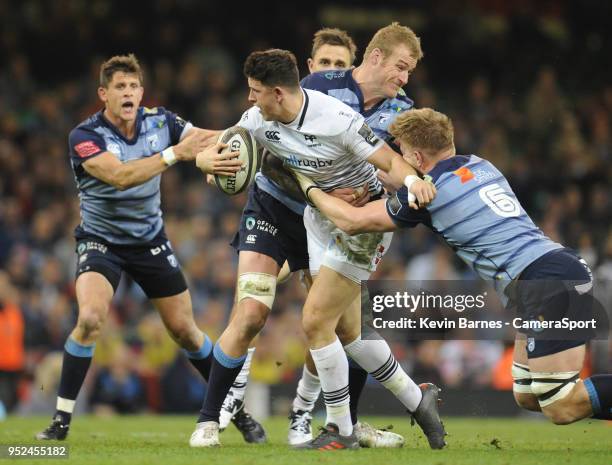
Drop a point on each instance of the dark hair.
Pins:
(273, 68)
(333, 36)
(125, 63)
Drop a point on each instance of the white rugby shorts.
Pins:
(355, 257)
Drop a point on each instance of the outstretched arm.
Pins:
(107, 168)
(372, 217)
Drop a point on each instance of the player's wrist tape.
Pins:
(408, 181)
(168, 156)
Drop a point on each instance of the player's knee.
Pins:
(253, 316)
(313, 323)
(185, 334)
(90, 322)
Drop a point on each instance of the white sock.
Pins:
(308, 391)
(332, 367)
(376, 358)
(240, 383)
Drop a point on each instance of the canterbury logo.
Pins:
(464, 174)
(272, 135)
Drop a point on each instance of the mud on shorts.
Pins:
(355, 257)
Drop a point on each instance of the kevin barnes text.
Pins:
(465, 323)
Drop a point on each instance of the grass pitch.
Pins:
(149, 440)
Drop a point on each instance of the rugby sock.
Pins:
(375, 356)
(332, 367)
(77, 358)
(308, 391)
(357, 381)
(239, 385)
(599, 388)
(223, 372)
(201, 358)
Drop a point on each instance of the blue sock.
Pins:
(201, 359)
(599, 388)
(223, 372)
(77, 359)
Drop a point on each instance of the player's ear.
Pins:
(102, 93)
(376, 56)
(310, 63)
(278, 94)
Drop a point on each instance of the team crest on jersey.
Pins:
(153, 141)
(172, 260)
(383, 118)
(250, 222)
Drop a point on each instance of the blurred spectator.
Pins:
(11, 344)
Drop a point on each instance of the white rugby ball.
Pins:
(239, 140)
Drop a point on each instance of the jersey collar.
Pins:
(113, 128)
(299, 119)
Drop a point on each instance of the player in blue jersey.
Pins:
(479, 216)
(118, 155)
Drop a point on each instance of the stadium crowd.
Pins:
(514, 97)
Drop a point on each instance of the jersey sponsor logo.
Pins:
(310, 138)
(180, 122)
(251, 238)
(272, 135)
(86, 149)
(90, 245)
(264, 226)
(368, 135)
(158, 250)
(334, 74)
(481, 175)
(316, 163)
(464, 174)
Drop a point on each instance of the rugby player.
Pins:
(478, 215)
(373, 89)
(118, 155)
(321, 136)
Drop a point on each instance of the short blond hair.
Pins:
(119, 63)
(387, 38)
(426, 129)
(333, 36)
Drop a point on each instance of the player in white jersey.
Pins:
(320, 137)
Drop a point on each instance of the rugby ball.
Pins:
(239, 140)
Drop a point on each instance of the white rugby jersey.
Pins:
(328, 142)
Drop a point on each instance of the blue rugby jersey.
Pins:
(478, 215)
(131, 216)
(342, 86)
